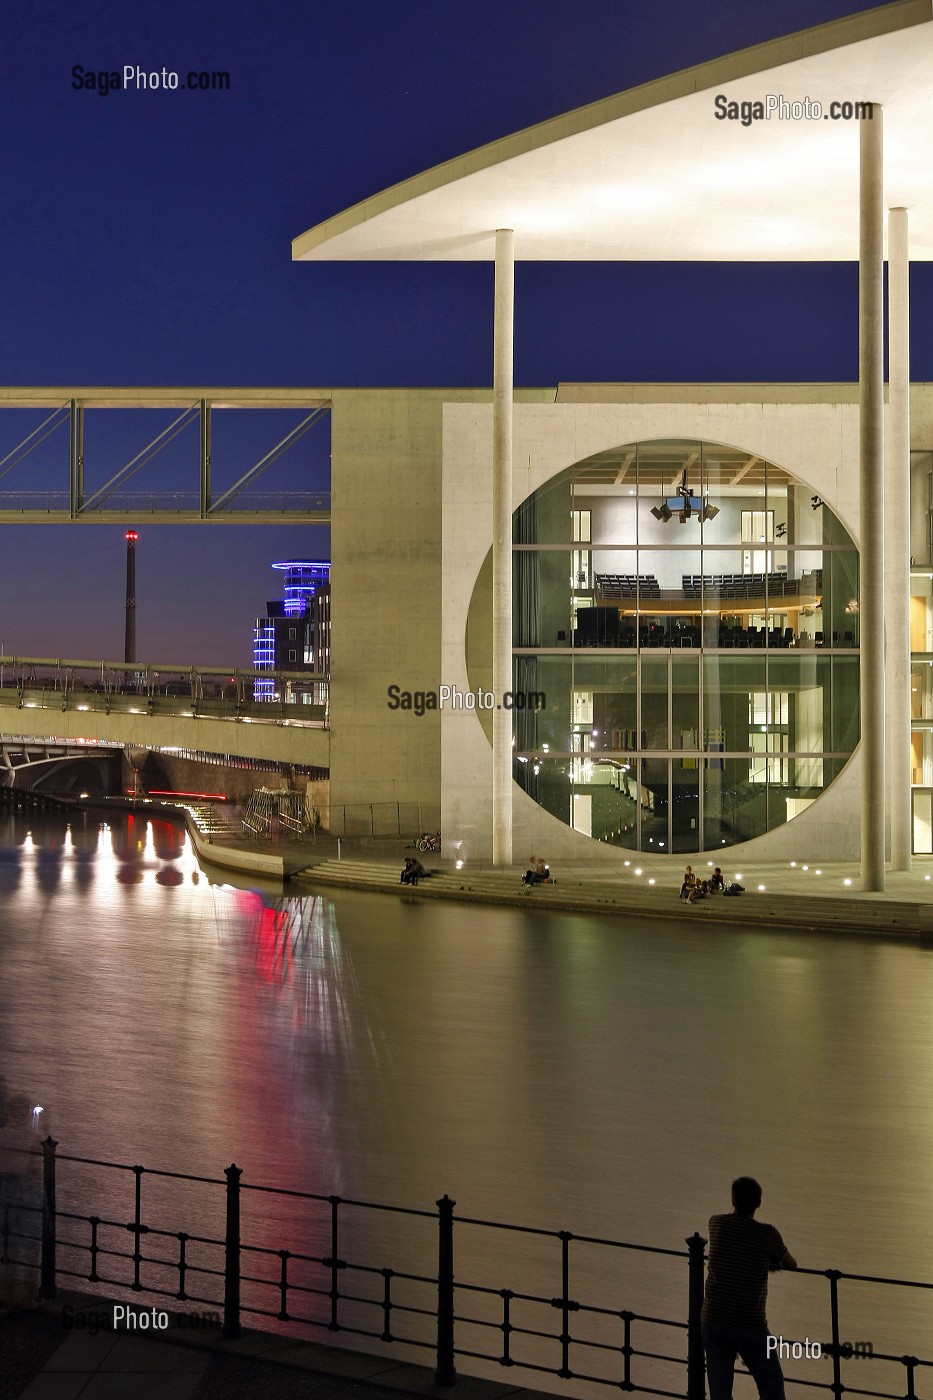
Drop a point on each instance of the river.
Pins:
(600, 1075)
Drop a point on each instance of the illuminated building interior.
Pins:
(690, 613)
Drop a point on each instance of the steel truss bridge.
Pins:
(112, 503)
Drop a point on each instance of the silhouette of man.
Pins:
(742, 1251)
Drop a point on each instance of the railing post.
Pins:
(445, 1372)
(138, 1231)
(47, 1287)
(834, 1276)
(565, 1304)
(696, 1365)
(231, 1327)
(335, 1264)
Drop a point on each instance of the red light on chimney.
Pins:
(131, 535)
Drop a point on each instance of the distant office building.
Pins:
(294, 635)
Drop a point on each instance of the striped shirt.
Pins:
(741, 1252)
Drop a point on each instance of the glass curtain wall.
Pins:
(686, 632)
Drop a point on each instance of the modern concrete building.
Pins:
(709, 588)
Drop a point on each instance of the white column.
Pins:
(871, 487)
(897, 536)
(502, 547)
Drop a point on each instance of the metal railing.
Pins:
(161, 689)
(423, 1303)
(349, 819)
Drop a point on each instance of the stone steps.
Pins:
(359, 874)
(753, 909)
(212, 820)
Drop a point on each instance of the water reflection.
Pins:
(577, 1073)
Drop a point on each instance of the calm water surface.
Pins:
(593, 1074)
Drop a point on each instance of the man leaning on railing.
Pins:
(742, 1251)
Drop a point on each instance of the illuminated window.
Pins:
(700, 673)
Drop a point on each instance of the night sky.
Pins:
(144, 238)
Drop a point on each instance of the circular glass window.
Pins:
(685, 633)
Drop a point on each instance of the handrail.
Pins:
(460, 1317)
(244, 672)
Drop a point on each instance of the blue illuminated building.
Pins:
(291, 635)
(303, 579)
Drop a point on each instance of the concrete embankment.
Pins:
(788, 900)
(793, 898)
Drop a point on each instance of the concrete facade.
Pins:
(412, 532)
(386, 548)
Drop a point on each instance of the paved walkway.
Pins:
(42, 1360)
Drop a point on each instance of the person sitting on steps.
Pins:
(413, 872)
(538, 872)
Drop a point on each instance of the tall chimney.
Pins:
(129, 647)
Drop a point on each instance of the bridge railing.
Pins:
(293, 697)
(547, 1301)
(291, 504)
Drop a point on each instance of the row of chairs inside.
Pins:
(739, 585)
(778, 574)
(726, 585)
(690, 637)
(649, 588)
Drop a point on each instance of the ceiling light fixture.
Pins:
(685, 505)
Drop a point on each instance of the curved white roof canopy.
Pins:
(651, 174)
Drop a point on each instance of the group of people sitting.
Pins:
(538, 873)
(413, 872)
(694, 889)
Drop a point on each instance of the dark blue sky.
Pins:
(144, 238)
